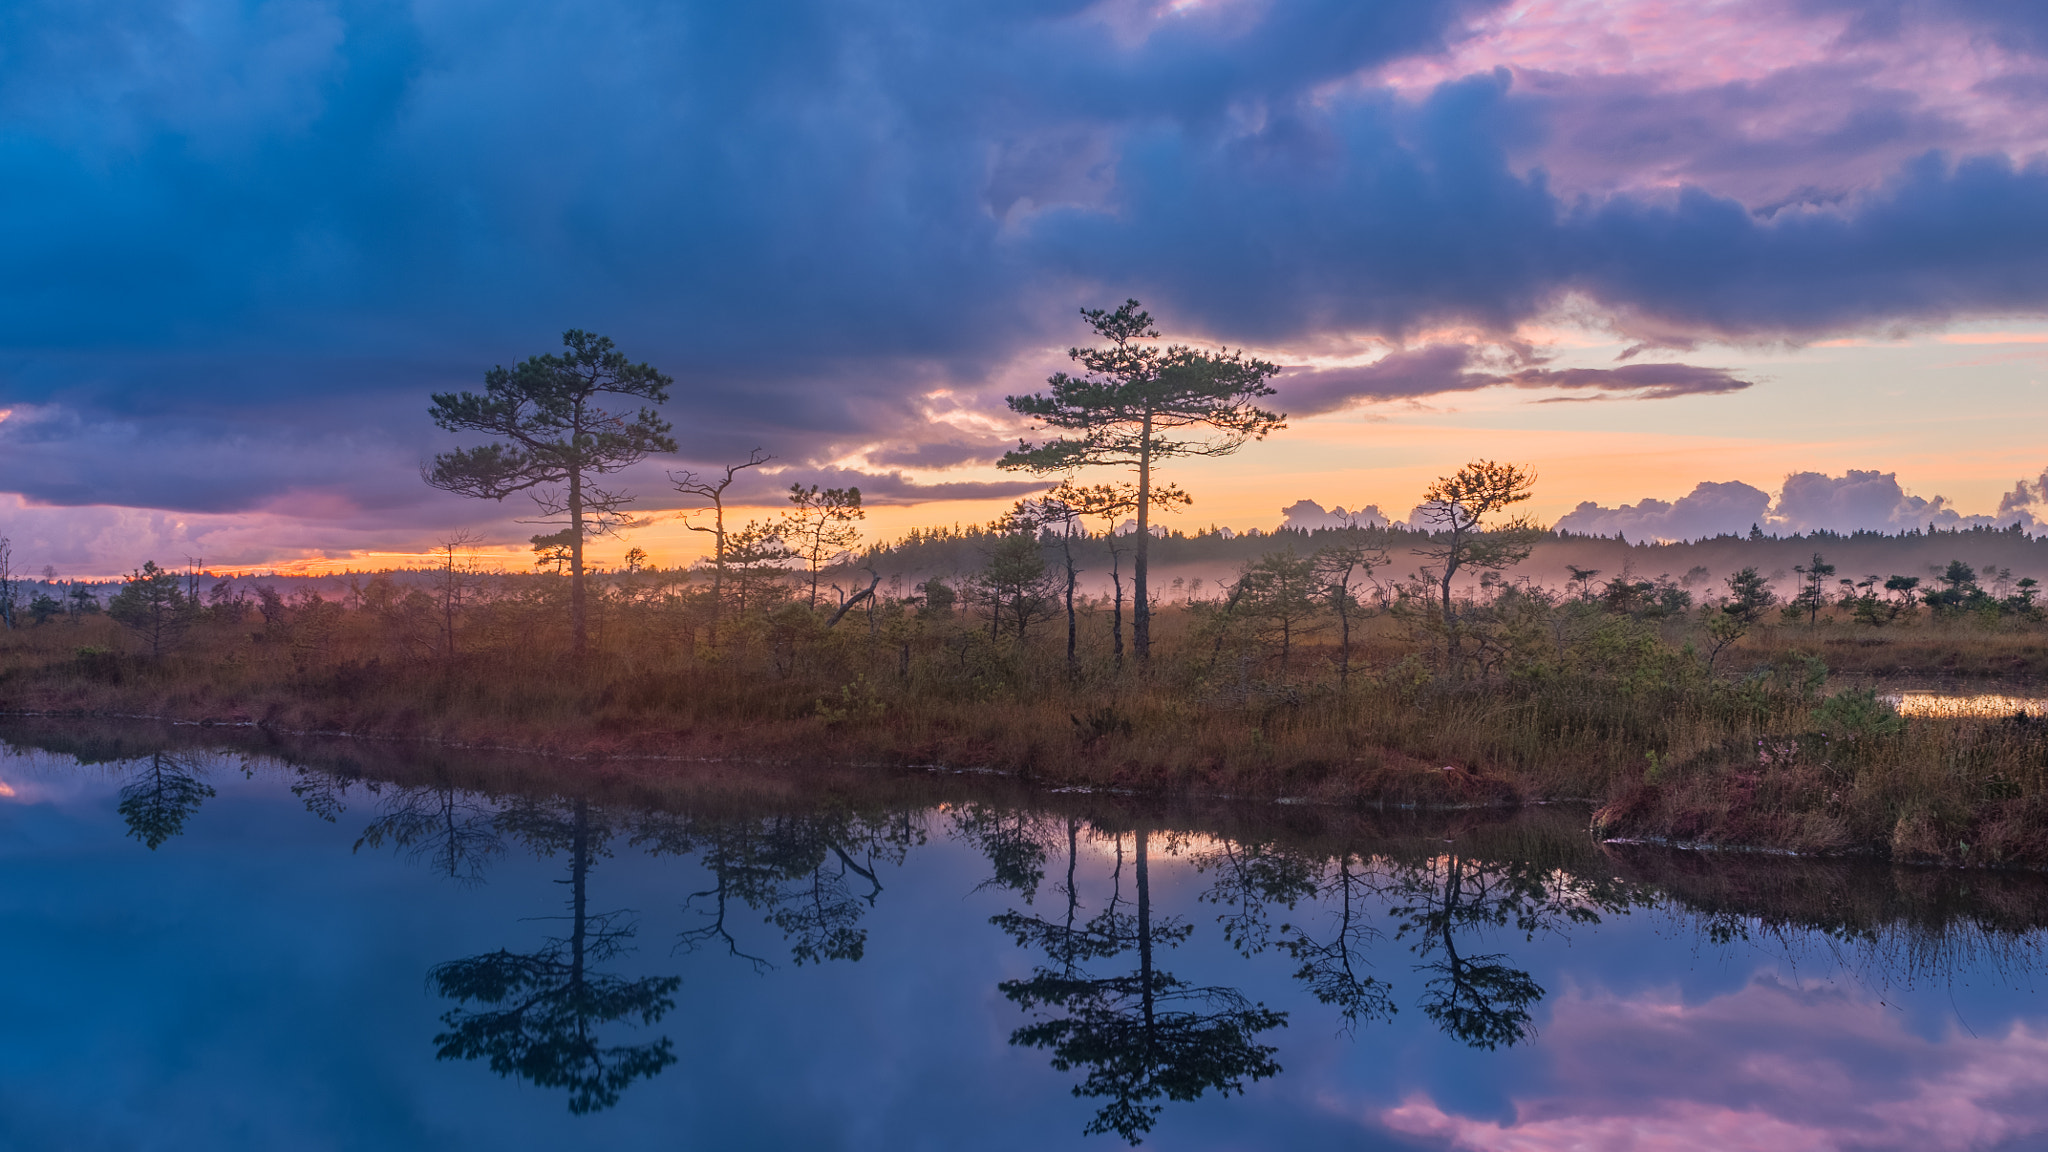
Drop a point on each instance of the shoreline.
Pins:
(642, 767)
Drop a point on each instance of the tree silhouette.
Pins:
(1014, 584)
(1279, 594)
(161, 796)
(1337, 567)
(552, 432)
(821, 524)
(1454, 511)
(1121, 409)
(703, 487)
(151, 604)
(540, 1013)
(1140, 1035)
(1111, 503)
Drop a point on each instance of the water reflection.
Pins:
(538, 1014)
(162, 793)
(1481, 999)
(1145, 959)
(1333, 961)
(1138, 1034)
(1951, 705)
(454, 833)
(814, 874)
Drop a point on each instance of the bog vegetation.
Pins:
(1376, 666)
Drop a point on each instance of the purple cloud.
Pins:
(1436, 369)
(265, 233)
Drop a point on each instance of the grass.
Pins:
(1566, 702)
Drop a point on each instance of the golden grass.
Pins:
(1625, 716)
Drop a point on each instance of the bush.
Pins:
(1859, 716)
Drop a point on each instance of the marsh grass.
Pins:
(1565, 701)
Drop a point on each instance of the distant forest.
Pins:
(1201, 560)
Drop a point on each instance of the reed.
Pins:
(1564, 700)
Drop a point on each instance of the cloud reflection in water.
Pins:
(1771, 1066)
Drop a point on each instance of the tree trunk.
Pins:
(1451, 653)
(1344, 643)
(579, 622)
(1116, 619)
(1067, 550)
(1145, 933)
(717, 568)
(448, 609)
(867, 593)
(1141, 605)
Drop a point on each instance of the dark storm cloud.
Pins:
(263, 232)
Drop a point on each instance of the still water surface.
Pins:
(279, 948)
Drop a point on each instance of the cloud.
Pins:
(1710, 509)
(886, 488)
(258, 235)
(56, 454)
(1768, 1066)
(2024, 494)
(103, 540)
(1307, 516)
(1436, 369)
(1641, 381)
(1858, 500)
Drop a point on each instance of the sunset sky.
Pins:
(1637, 245)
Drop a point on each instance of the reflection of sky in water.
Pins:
(1965, 704)
(1771, 1065)
(260, 982)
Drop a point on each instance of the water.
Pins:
(333, 947)
(1959, 705)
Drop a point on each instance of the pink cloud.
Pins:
(1772, 103)
(1771, 1067)
(1685, 1128)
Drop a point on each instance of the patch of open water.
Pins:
(269, 948)
(1958, 705)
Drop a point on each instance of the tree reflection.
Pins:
(1139, 1035)
(1481, 999)
(815, 874)
(451, 832)
(1010, 840)
(1330, 963)
(539, 1014)
(161, 796)
(1250, 879)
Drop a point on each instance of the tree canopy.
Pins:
(553, 433)
(1123, 409)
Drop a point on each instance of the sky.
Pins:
(1795, 251)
